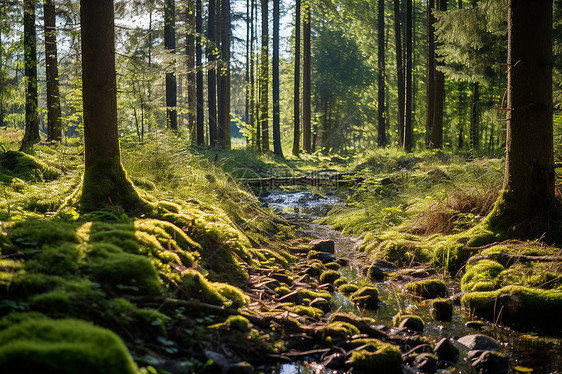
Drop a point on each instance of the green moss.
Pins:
(482, 275)
(35, 234)
(386, 358)
(63, 259)
(332, 266)
(516, 305)
(282, 291)
(307, 311)
(196, 285)
(428, 289)
(23, 166)
(63, 346)
(336, 331)
(442, 309)
(399, 317)
(132, 272)
(348, 288)
(236, 322)
(309, 294)
(340, 281)
(329, 276)
(367, 296)
(316, 268)
(105, 184)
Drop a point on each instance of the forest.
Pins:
(279, 187)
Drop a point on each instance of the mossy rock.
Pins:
(482, 275)
(518, 306)
(127, 272)
(367, 296)
(338, 282)
(429, 288)
(196, 285)
(332, 266)
(309, 311)
(442, 309)
(310, 294)
(329, 276)
(348, 288)
(336, 331)
(63, 347)
(380, 358)
(408, 321)
(23, 166)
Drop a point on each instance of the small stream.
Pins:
(528, 352)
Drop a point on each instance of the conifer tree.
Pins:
(54, 129)
(296, 80)
(170, 46)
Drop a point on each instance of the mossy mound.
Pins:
(518, 306)
(197, 286)
(377, 357)
(20, 165)
(442, 309)
(366, 296)
(329, 276)
(63, 346)
(309, 311)
(428, 289)
(482, 275)
(348, 288)
(336, 331)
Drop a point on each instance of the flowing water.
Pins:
(528, 352)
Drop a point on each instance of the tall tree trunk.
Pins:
(430, 88)
(399, 71)
(252, 109)
(211, 72)
(296, 79)
(475, 117)
(190, 60)
(170, 46)
(408, 136)
(306, 82)
(54, 130)
(1, 69)
(248, 64)
(31, 135)
(224, 91)
(200, 132)
(276, 121)
(105, 182)
(529, 168)
(437, 130)
(381, 67)
(264, 77)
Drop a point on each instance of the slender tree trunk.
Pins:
(224, 107)
(399, 71)
(200, 132)
(276, 121)
(381, 67)
(211, 72)
(31, 135)
(248, 64)
(170, 46)
(437, 130)
(475, 117)
(296, 79)
(306, 82)
(190, 60)
(252, 109)
(408, 136)
(105, 182)
(54, 130)
(1, 69)
(529, 169)
(264, 77)
(430, 88)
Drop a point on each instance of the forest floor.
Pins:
(213, 281)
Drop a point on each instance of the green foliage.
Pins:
(23, 166)
(62, 346)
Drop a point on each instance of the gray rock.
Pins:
(323, 245)
(479, 342)
(411, 323)
(376, 274)
(324, 257)
(488, 362)
(426, 362)
(446, 351)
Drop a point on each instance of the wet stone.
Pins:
(412, 324)
(426, 362)
(376, 274)
(479, 342)
(324, 257)
(240, 368)
(474, 324)
(446, 351)
(488, 362)
(442, 310)
(323, 245)
(321, 304)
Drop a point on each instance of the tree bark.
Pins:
(381, 133)
(54, 129)
(276, 121)
(200, 131)
(105, 182)
(306, 82)
(474, 117)
(439, 100)
(224, 123)
(252, 109)
(211, 73)
(296, 79)
(31, 135)
(170, 47)
(430, 88)
(191, 80)
(408, 136)
(399, 71)
(529, 170)
(264, 77)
